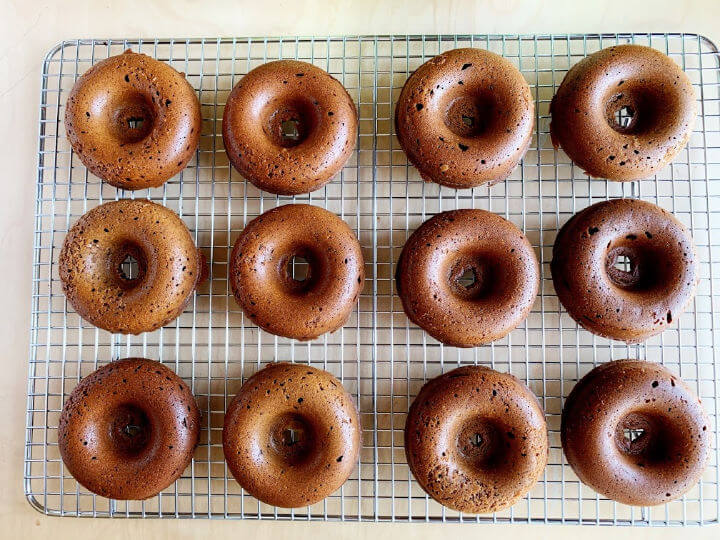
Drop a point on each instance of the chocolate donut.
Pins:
(291, 435)
(641, 84)
(643, 298)
(169, 266)
(128, 430)
(496, 257)
(476, 440)
(465, 118)
(263, 282)
(635, 433)
(133, 121)
(289, 127)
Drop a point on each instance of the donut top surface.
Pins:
(649, 293)
(636, 433)
(639, 82)
(265, 286)
(133, 121)
(91, 261)
(476, 439)
(470, 242)
(465, 118)
(128, 430)
(291, 435)
(289, 127)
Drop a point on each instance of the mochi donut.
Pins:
(169, 266)
(465, 118)
(289, 127)
(133, 121)
(641, 83)
(270, 294)
(636, 433)
(476, 439)
(503, 272)
(291, 435)
(128, 430)
(634, 302)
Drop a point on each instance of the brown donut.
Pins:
(501, 261)
(476, 439)
(291, 435)
(465, 118)
(128, 430)
(624, 397)
(649, 86)
(133, 121)
(169, 266)
(627, 305)
(264, 285)
(289, 127)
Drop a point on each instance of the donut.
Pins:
(291, 435)
(465, 118)
(129, 429)
(133, 121)
(497, 257)
(289, 127)
(635, 433)
(643, 85)
(263, 282)
(634, 302)
(476, 439)
(169, 266)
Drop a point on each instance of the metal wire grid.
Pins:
(382, 359)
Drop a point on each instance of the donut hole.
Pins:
(299, 270)
(637, 269)
(635, 110)
(291, 123)
(623, 117)
(470, 116)
(471, 278)
(292, 439)
(129, 266)
(468, 278)
(481, 443)
(645, 438)
(130, 430)
(132, 119)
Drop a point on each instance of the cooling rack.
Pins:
(382, 359)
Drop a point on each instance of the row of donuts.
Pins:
(475, 439)
(464, 118)
(467, 277)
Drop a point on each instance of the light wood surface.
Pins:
(28, 28)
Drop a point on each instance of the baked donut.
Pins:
(169, 266)
(635, 433)
(465, 118)
(289, 127)
(476, 440)
(496, 257)
(291, 435)
(631, 302)
(133, 121)
(634, 81)
(129, 429)
(263, 282)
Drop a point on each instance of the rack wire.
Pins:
(381, 358)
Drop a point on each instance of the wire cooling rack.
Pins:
(382, 359)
